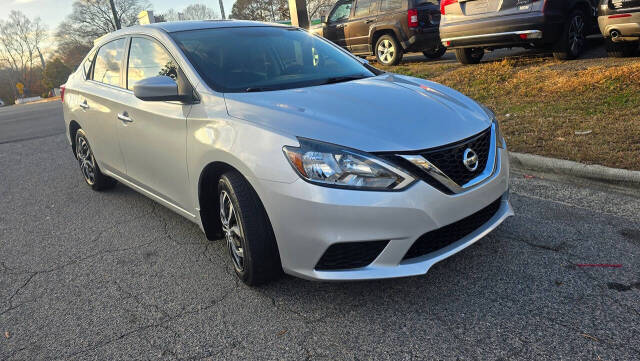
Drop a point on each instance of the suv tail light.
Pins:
(444, 3)
(62, 88)
(412, 18)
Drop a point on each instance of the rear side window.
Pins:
(147, 59)
(362, 8)
(109, 62)
(391, 5)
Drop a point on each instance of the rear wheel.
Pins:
(573, 42)
(88, 165)
(622, 49)
(247, 231)
(469, 55)
(388, 50)
(436, 52)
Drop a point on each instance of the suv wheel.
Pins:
(573, 40)
(436, 52)
(88, 165)
(247, 231)
(388, 51)
(469, 55)
(619, 50)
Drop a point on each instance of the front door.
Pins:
(338, 18)
(153, 133)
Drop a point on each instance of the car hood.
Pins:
(388, 112)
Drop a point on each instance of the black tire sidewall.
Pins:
(225, 184)
(101, 181)
(562, 49)
(435, 53)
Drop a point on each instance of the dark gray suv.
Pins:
(384, 28)
(472, 26)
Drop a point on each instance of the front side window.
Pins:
(108, 63)
(265, 58)
(147, 59)
(341, 12)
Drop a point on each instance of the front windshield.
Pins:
(266, 58)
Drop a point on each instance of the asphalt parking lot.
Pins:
(113, 275)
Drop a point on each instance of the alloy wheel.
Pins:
(576, 35)
(232, 231)
(386, 51)
(86, 160)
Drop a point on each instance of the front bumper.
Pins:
(308, 219)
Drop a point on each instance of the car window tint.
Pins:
(362, 8)
(108, 63)
(341, 12)
(147, 59)
(391, 4)
(86, 64)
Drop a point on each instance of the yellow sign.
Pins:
(20, 87)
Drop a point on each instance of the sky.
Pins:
(52, 12)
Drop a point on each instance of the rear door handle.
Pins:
(84, 105)
(340, 26)
(124, 117)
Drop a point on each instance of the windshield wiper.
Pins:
(340, 79)
(260, 89)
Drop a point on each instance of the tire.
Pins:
(621, 50)
(388, 50)
(88, 165)
(247, 231)
(572, 42)
(469, 55)
(435, 53)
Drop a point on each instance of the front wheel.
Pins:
(88, 165)
(247, 230)
(435, 53)
(572, 42)
(388, 50)
(622, 49)
(469, 55)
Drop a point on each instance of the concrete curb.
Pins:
(566, 167)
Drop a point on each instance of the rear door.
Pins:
(364, 15)
(476, 9)
(338, 18)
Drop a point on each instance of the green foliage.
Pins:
(55, 74)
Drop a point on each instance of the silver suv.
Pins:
(300, 155)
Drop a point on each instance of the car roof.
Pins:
(176, 26)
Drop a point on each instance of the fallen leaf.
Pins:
(527, 176)
(282, 333)
(589, 336)
(7, 334)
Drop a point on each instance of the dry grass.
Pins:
(542, 103)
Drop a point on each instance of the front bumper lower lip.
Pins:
(419, 265)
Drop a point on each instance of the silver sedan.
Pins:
(302, 157)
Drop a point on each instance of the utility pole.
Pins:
(221, 9)
(115, 15)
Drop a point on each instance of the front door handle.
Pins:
(368, 21)
(84, 105)
(124, 117)
(340, 26)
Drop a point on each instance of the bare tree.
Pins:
(191, 12)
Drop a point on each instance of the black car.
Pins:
(386, 28)
(472, 26)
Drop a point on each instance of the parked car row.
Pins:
(390, 28)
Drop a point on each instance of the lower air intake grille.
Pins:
(442, 237)
(350, 255)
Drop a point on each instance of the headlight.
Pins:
(501, 143)
(334, 166)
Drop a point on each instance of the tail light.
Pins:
(412, 18)
(444, 3)
(62, 88)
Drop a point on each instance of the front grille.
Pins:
(442, 237)
(449, 158)
(350, 255)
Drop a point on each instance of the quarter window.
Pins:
(86, 64)
(391, 4)
(109, 62)
(147, 59)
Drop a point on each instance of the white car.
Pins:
(304, 158)
(1, 103)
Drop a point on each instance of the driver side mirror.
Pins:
(157, 88)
